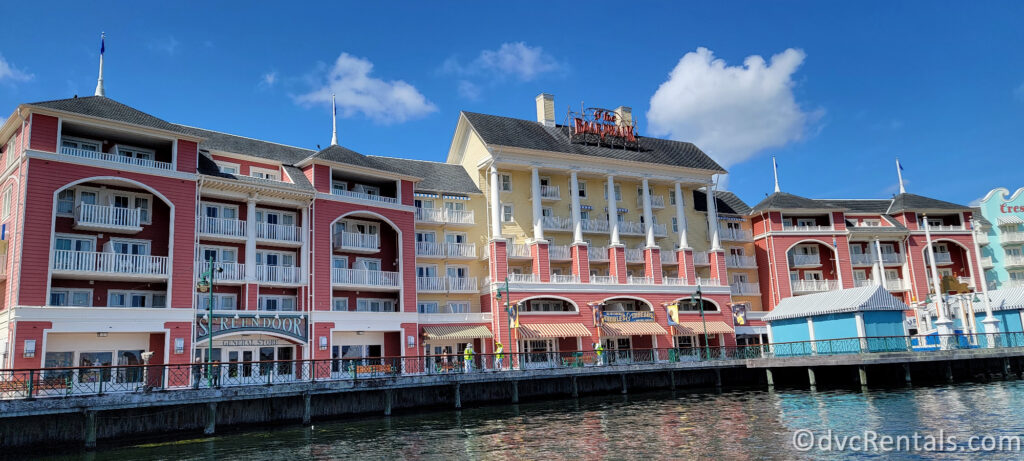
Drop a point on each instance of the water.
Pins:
(738, 425)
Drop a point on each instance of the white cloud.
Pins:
(167, 45)
(268, 79)
(731, 112)
(9, 72)
(392, 101)
(469, 90)
(511, 61)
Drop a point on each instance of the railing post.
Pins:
(31, 383)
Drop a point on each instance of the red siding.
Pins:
(188, 152)
(25, 331)
(44, 133)
(407, 193)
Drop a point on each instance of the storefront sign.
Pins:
(293, 326)
(250, 343)
(628, 316)
(602, 126)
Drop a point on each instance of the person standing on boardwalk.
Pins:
(467, 357)
(499, 355)
(599, 349)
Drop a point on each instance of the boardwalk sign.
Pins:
(292, 326)
(628, 316)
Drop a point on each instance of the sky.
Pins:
(835, 91)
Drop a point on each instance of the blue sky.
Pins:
(941, 85)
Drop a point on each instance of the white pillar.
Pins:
(648, 215)
(716, 244)
(538, 211)
(681, 217)
(943, 324)
(304, 249)
(495, 203)
(613, 212)
(250, 239)
(881, 264)
(990, 322)
(574, 194)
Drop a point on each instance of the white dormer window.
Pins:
(227, 168)
(339, 186)
(871, 223)
(265, 173)
(136, 153)
(74, 143)
(805, 222)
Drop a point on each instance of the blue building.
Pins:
(1002, 223)
(840, 321)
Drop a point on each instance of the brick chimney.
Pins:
(546, 109)
(624, 116)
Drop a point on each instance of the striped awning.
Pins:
(632, 329)
(697, 328)
(457, 332)
(1011, 219)
(553, 330)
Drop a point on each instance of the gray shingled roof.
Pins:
(215, 140)
(976, 210)
(102, 107)
(912, 202)
(513, 132)
(336, 153)
(867, 298)
(857, 206)
(300, 183)
(787, 201)
(725, 201)
(437, 177)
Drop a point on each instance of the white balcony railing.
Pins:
(382, 279)
(657, 201)
(559, 253)
(107, 216)
(280, 232)
(564, 278)
(660, 230)
(669, 257)
(740, 261)
(518, 250)
(597, 254)
(634, 255)
(701, 258)
(444, 216)
(1011, 260)
(602, 279)
(896, 285)
(946, 228)
(429, 249)
(556, 223)
(940, 258)
(464, 284)
(222, 226)
(434, 215)
(631, 227)
(430, 284)
(224, 271)
(459, 216)
(735, 235)
(799, 228)
(639, 280)
(91, 154)
(806, 260)
(550, 192)
(982, 238)
(357, 241)
(461, 250)
(523, 278)
(278, 274)
(986, 261)
(594, 225)
(708, 282)
(811, 286)
(109, 263)
(745, 288)
(1012, 237)
(363, 195)
(675, 281)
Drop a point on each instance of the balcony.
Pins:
(523, 278)
(550, 193)
(279, 233)
(861, 259)
(108, 218)
(813, 286)
(1012, 260)
(595, 225)
(734, 235)
(93, 265)
(597, 254)
(739, 261)
(812, 260)
(365, 280)
(669, 257)
(445, 216)
(114, 158)
(357, 242)
(639, 280)
(941, 259)
(897, 285)
(892, 259)
(798, 228)
(430, 284)
(701, 258)
(519, 250)
(602, 279)
(429, 249)
(224, 272)
(461, 250)
(986, 262)
(631, 228)
(657, 201)
(1012, 237)
(462, 285)
(982, 238)
(278, 275)
(222, 228)
(675, 281)
(556, 223)
(459, 217)
(946, 228)
(866, 259)
(745, 288)
(362, 195)
(634, 255)
(559, 253)
(430, 215)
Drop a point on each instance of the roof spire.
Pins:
(334, 121)
(775, 167)
(99, 81)
(899, 173)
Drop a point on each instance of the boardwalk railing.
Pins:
(94, 380)
(875, 344)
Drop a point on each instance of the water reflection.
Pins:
(732, 425)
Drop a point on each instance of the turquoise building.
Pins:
(1002, 223)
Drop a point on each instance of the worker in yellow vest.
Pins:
(499, 355)
(467, 358)
(599, 349)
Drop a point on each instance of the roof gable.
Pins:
(787, 201)
(913, 202)
(860, 299)
(103, 107)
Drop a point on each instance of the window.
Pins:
(547, 305)
(671, 198)
(142, 203)
(457, 272)
(134, 153)
(119, 298)
(73, 144)
(813, 275)
(455, 206)
(506, 183)
(264, 173)
(684, 342)
(856, 249)
(375, 305)
(8, 194)
(70, 297)
(339, 186)
(73, 243)
(367, 264)
(618, 192)
(807, 249)
(506, 213)
(364, 189)
(130, 247)
(10, 152)
(805, 222)
(277, 303)
(871, 223)
(218, 254)
(427, 307)
(739, 278)
(932, 222)
(675, 224)
(227, 168)
(428, 237)
(584, 215)
(458, 307)
(339, 304)
(339, 262)
(275, 217)
(582, 188)
(860, 275)
(424, 271)
(221, 301)
(274, 258)
(425, 204)
(888, 248)
(547, 212)
(892, 274)
(66, 201)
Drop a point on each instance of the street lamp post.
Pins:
(698, 298)
(206, 284)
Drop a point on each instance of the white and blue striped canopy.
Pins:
(867, 298)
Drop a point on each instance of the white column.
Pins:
(574, 194)
(495, 204)
(990, 322)
(538, 212)
(648, 216)
(250, 239)
(304, 250)
(881, 264)
(681, 217)
(613, 212)
(943, 324)
(716, 244)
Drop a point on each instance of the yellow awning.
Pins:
(632, 329)
(457, 332)
(553, 330)
(697, 328)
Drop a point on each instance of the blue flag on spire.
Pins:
(899, 164)
(103, 45)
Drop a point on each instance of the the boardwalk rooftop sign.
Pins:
(293, 326)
